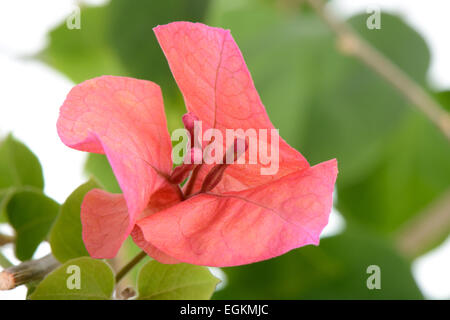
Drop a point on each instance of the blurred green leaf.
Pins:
(5, 195)
(18, 165)
(157, 281)
(443, 98)
(97, 165)
(336, 269)
(31, 214)
(131, 34)
(414, 171)
(96, 282)
(65, 236)
(394, 39)
(83, 53)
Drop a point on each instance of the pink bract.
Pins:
(246, 217)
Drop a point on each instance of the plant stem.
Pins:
(5, 239)
(130, 265)
(26, 272)
(350, 43)
(425, 229)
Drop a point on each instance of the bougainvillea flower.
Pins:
(232, 216)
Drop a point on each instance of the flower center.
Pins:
(193, 166)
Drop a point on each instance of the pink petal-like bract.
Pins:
(105, 216)
(123, 118)
(242, 227)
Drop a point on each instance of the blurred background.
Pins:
(392, 201)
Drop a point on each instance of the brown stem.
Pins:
(130, 265)
(427, 228)
(26, 272)
(127, 293)
(5, 239)
(213, 177)
(352, 44)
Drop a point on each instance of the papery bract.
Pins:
(123, 118)
(243, 216)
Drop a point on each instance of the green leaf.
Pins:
(31, 286)
(158, 281)
(132, 37)
(336, 269)
(416, 63)
(18, 165)
(96, 282)
(351, 117)
(5, 195)
(443, 98)
(413, 172)
(97, 165)
(83, 53)
(31, 214)
(65, 237)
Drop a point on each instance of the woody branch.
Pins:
(5, 239)
(27, 272)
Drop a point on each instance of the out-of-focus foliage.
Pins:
(444, 98)
(134, 41)
(31, 214)
(98, 166)
(87, 54)
(22, 202)
(414, 170)
(19, 168)
(336, 269)
(393, 162)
